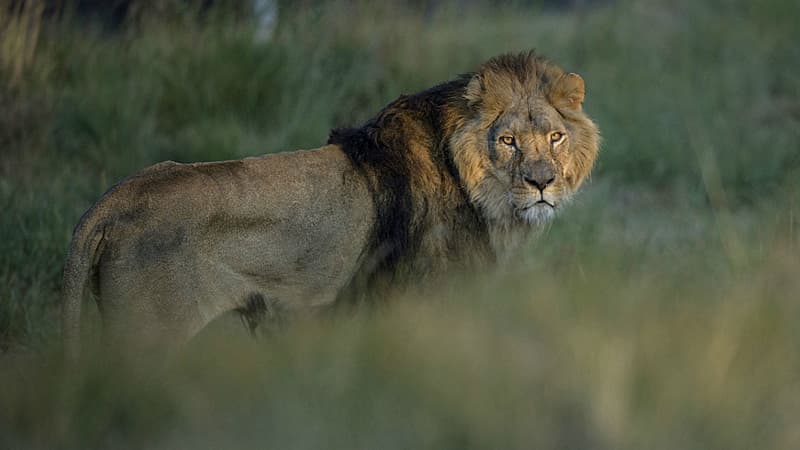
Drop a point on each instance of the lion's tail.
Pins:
(77, 271)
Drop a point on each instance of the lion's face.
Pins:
(529, 146)
(527, 154)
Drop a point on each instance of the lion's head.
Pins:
(524, 145)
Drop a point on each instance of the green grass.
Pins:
(659, 312)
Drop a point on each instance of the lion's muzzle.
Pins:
(539, 174)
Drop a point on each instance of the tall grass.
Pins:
(20, 24)
(660, 311)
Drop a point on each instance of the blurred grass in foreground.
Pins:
(660, 311)
(613, 359)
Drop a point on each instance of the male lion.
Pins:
(452, 177)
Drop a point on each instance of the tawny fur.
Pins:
(451, 178)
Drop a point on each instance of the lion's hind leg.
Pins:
(149, 315)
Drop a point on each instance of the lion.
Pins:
(455, 177)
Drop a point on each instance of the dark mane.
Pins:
(381, 152)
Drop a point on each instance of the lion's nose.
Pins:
(539, 174)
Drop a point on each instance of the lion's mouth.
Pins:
(537, 212)
(537, 203)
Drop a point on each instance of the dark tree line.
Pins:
(113, 13)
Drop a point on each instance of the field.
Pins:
(661, 311)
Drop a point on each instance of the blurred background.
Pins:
(661, 311)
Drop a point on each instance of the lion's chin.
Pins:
(537, 214)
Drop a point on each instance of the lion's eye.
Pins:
(508, 140)
(556, 136)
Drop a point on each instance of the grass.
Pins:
(660, 311)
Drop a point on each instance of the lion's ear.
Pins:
(474, 91)
(568, 92)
